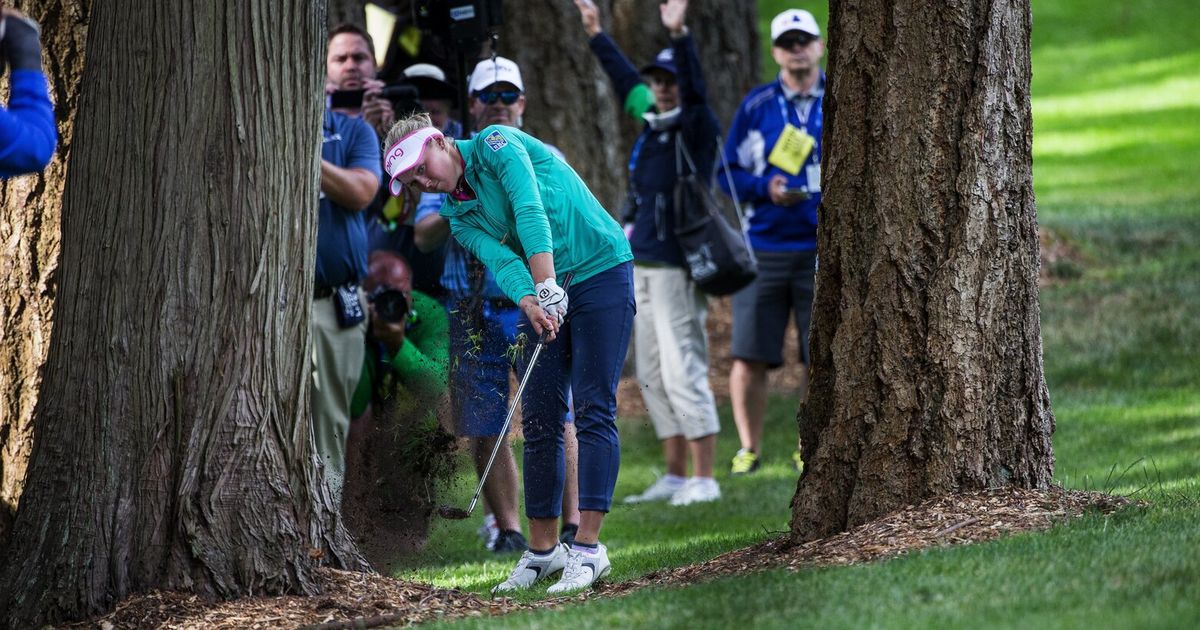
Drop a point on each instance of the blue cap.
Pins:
(665, 61)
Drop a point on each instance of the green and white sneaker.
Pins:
(533, 567)
(583, 570)
(744, 462)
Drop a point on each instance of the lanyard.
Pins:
(802, 116)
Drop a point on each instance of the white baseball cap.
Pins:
(491, 71)
(794, 20)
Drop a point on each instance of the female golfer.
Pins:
(530, 218)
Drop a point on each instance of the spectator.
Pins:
(407, 344)
(774, 151)
(672, 346)
(436, 95)
(27, 133)
(482, 330)
(350, 65)
(497, 212)
(350, 173)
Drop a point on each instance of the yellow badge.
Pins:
(791, 150)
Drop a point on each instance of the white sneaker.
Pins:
(697, 490)
(662, 489)
(582, 570)
(488, 531)
(532, 567)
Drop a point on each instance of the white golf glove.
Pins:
(552, 298)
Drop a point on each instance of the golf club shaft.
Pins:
(512, 408)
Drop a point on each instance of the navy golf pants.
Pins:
(586, 360)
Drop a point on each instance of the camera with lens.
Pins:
(390, 304)
(404, 97)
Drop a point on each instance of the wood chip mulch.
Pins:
(948, 520)
(356, 600)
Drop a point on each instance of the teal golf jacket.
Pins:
(528, 201)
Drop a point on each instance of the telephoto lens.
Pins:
(390, 304)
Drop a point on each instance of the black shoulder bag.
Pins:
(717, 254)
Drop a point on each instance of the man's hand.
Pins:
(552, 298)
(673, 13)
(390, 334)
(529, 305)
(777, 189)
(590, 16)
(377, 111)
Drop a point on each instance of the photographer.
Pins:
(407, 342)
(27, 133)
(350, 65)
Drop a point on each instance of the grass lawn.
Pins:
(1117, 135)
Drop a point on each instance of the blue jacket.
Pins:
(652, 165)
(27, 133)
(756, 127)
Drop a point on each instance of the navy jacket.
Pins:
(652, 165)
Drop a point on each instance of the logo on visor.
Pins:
(396, 154)
(496, 141)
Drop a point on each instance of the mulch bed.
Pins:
(356, 600)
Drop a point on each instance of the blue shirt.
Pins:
(756, 128)
(341, 232)
(27, 133)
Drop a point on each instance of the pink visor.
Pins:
(405, 154)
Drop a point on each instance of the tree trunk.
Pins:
(29, 257)
(926, 342)
(174, 445)
(570, 101)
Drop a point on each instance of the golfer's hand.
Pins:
(552, 298)
(538, 317)
(590, 16)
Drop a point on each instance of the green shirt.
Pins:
(529, 202)
(418, 371)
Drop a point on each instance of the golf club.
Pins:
(457, 513)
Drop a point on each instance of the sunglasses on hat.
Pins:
(791, 39)
(508, 97)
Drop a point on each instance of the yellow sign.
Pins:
(791, 150)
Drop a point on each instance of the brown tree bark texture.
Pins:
(173, 441)
(29, 256)
(926, 341)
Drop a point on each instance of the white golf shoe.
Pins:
(582, 570)
(697, 490)
(662, 489)
(533, 567)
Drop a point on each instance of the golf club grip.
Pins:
(512, 407)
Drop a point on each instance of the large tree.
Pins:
(29, 257)
(926, 341)
(173, 445)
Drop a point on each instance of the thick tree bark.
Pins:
(173, 444)
(926, 341)
(29, 258)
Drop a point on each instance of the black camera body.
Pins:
(405, 98)
(461, 24)
(390, 304)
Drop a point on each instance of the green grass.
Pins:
(1116, 139)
